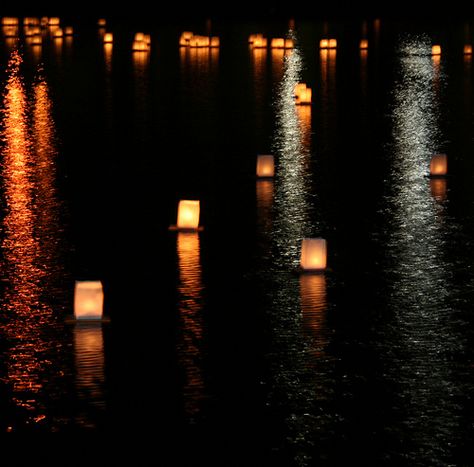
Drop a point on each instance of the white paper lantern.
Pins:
(313, 254)
(88, 300)
(265, 166)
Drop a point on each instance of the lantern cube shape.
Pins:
(323, 43)
(332, 44)
(265, 166)
(54, 21)
(439, 165)
(436, 50)
(108, 38)
(88, 300)
(289, 43)
(277, 43)
(139, 36)
(188, 214)
(215, 42)
(467, 49)
(364, 44)
(68, 31)
(303, 94)
(260, 42)
(9, 21)
(313, 254)
(101, 23)
(58, 33)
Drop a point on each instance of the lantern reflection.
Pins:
(90, 375)
(438, 189)
(314, 308)
(264, 193)
(190, 340)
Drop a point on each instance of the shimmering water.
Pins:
(217, 345)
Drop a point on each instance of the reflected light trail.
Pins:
(422, 338)
(29, 244)
(190, 306)
(90, 377)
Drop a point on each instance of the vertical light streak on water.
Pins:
(327, 58)
(298, 379)
(90, 376)
(29, 246)
(191, 330)
(141, 62)
(417, 356)
(259, 65)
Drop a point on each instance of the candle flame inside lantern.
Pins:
(88, 300)
(313, 254)
(439, 165)
(265, 166)
(436, 50)
(188, 214)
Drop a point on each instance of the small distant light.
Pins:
(439, 165)
(436, 50)
(265, 166)
(468, 49)
(364, 44)
(108, 38)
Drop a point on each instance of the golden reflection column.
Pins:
(191, 328)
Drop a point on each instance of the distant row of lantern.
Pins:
(33, 28)
(328, 44)
(436, 49)
(258, 41)
(189, 39)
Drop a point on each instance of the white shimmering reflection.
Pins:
(293, 180)
(190, 305)
(418, 361)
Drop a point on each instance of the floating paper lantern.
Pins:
(364, 44)
(68, 31)
(101, 23)
(332, 44)
(139, 36)
(289, 43)
(44, 21)
(323, 43)
(439, 165)
(9, 21)
(215, 41)
(54, 21)
(58, 33)
(108, 38)
(436, 50)
(36, 40)
(88, 300)
(188, 216)
(139, 46)
(277, 43)
(10, 31)
(313, 254)
(303, 94)
(265, 166)
(260, 43)
(29, 21)
(468, 49)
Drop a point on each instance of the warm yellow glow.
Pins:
(54, 21)
(199, 41)
(438, 188)
(108, 38)
(88, 300)
(10, 31)
(468, 49)
(439, 165)
(215, 41)
(260, 42)
(303, 94)
(289, 43)
(277, 43)
(44, 21)
(323, 43)
(187, 35)
(314, 304)
(252, 38)
(147, 39)
(364, 44)
(68, 31)
(29, 21)
(313, 254)
(436, 50)
(102, 22)
(139, 36)
(332, 44)
(32, 31)
(188, 214)
(139, 46)
(58, 33)
(36, 40)
(9, 21)
(265, 166)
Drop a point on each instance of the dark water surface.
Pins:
(218, 351)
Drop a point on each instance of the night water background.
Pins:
(218, 351)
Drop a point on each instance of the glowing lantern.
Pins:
(139, 46)
(102, 23)
(215, 42)
(313, 254)
(36, 40)
(303, 94)
(140, 37)
(28, 21)
(58, 33)
(252, 38)
(187, 35)
(439, 165)
(108, 38)
(188, 214)
(54, 21)
(10, 31)
(364, 44)
(323, 43)
(147, 39)
(277, 43)
(260, 43)
(265, 166)
(289, 43)
(68, 31)
(332, 44)
(467, 49)
(436, 50)
(88, 300)
(9, 21)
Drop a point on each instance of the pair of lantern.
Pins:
(328, 44)
(189, 39)
(141, 42)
